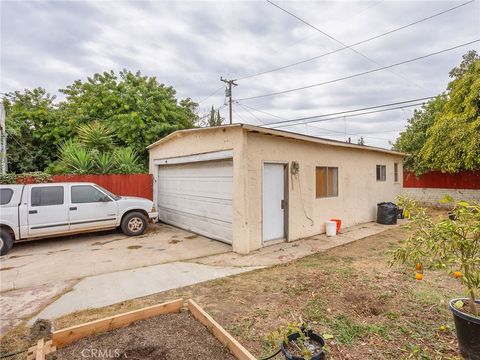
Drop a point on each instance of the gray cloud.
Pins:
(189, 44)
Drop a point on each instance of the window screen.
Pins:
(47, 195)
(5, 196)
(381, 172)
(86, 194)
(395, 172)
(326, 181)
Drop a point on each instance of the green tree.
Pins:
(413, 139)
(31, 130)
(215, 118)
(453, 141)
(138, 109)
(445, 134)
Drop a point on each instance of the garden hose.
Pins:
(271, 356)
(3, 356)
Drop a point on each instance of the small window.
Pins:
(395, 172)
(5, 196)
(381, 172)
(86, 194)
(47, 195)
(326, 181)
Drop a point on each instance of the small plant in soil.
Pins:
(451, 244)
(303, 346)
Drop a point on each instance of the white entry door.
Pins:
(273, 201)
(197, 196)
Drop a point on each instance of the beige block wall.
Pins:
(358, 195)
(430, 196)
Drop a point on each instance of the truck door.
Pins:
(47, 210)
(90, 208)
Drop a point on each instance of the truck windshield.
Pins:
(113, 196)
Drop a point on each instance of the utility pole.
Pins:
(228, 93)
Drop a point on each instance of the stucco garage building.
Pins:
(251, 186)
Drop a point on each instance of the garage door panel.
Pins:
(197, 188)
(198, 197)
(217, 209)
(214, 229)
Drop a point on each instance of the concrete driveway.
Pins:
(62, 259)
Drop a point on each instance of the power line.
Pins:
(335, 39)
(352, 115)
(260, 111)
(251, 113)
(360, 74)
(355, 110)
(209, 96)
(355, 44)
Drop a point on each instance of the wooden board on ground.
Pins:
(66, 336)
(220, 333)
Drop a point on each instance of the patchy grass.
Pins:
(373, 311)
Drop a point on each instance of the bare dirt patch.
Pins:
(166, 337)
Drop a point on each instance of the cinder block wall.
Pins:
(432, 196)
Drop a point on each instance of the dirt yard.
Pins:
(371, 310)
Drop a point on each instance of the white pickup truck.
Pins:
(36, 211)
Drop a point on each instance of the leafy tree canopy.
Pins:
(445, 134)
(137, 110)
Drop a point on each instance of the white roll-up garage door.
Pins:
(198, 197)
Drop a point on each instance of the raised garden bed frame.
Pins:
(63, 337)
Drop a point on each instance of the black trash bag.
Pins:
(387, 213)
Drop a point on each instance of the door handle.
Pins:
(32, 212)
(73, 208)
(282, 204)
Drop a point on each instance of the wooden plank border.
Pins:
(219, 332)
(66, 336)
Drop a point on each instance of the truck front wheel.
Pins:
(6, 242)
(134, 223)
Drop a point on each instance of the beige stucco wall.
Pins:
(359, 192)
(210, 140)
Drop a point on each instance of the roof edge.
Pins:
(282, 133)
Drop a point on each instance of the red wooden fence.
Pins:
(437, 179)
(120, 184)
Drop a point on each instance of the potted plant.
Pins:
(451, 243)
(297, 341)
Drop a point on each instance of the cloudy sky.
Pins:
(190, 44)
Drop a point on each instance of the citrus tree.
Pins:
(451, 244)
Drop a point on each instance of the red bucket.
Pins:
(339, 224)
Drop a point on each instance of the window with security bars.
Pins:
(326, 181)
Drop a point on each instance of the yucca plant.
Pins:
(127, 161)
(75, 158)
(105, 163)
(96, 135)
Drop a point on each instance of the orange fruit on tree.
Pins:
(418, 266)
(419, 276)
(457, 274)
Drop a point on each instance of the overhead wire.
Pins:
(355, 44)
(350, 115)
(331, 37)
(360, 74)
(352, 111)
